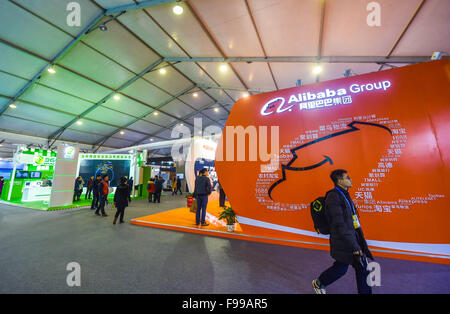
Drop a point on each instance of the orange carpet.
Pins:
(181, 219)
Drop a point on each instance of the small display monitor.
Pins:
(35, 174)
(180, 175)
(20, 174)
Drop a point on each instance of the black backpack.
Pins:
(320, 221)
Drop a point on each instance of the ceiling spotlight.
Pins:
(223, 67)
(155, 113)
(177, 9)
(195, 94)
(245, 95)
(317, 69)
(116, 97)
(181, 124)
(151, 140)
(122, 132)
(216, 109)
(103, 28)
(51, 70)
(162, 71)
(79, 122)
(12, 106)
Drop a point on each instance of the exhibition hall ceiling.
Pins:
(152, 69)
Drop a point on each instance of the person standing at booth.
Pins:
(95, 198)
(103, 190)
(121, 199)
(130, 188)
(2, 183)
(150, 189)
(158, 188)
(178, 186)
(90, 186)
(202, 190)
(78, 188)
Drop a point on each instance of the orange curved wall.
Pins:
(394, 142)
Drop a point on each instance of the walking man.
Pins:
(121, 199)
(347, 243)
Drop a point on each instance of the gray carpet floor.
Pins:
(35, 248)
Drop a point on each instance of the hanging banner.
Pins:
(388, 129)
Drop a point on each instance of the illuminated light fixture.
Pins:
(216, 109)
(122, 132)
(103, 28)
(223, 68)
(163, 71)
(12, 106)
(245, 95)
(51, 70)
(195, 94)
(177, 10)
(181, 124)
(116, 97)
(79, 122)
(151, 140)
(317, 69)
(155, 113)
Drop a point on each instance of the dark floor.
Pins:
(35, 248)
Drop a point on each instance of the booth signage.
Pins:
(393, 141)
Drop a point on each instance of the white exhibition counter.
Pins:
(36, 193)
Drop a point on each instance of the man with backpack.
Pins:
(347, 243)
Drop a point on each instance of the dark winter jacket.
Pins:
(95, 186)
(202, 186)
(344, 238)
(121, 196)
(159, 185)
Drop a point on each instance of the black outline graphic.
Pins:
(327, 159)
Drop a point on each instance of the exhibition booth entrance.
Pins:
(387, 129)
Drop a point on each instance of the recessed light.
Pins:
(195, 94)
(151, 140)
(51, 70)
(13, 106)
(155, 113)
(177, 9)
(122, 132)
(163, 71)
(245, 95)
(181, 124)
(103, 28)
(79, 122)
(216, 109)
(116, 97)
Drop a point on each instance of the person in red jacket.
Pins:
(151, 190)
(103, 190)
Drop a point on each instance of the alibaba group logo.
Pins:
(352, 128)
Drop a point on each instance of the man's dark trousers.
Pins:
(102, 204)
(202, 202)
(221, 198)
(157, 196)
(340, 269)
(95, 199)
